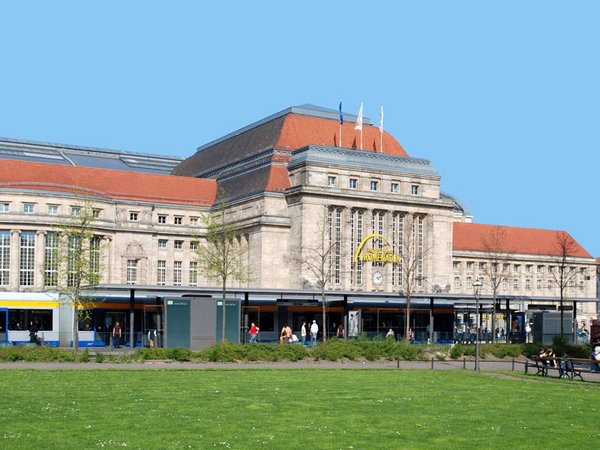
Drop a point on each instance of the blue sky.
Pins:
(501, 96)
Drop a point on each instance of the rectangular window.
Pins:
(549, 285)
(470, 266)
(74, 261)
(28, 208)
(528, 268)
(504, 284)
(353, 183)
(4, 207)
(516, 284)
(27, 258)
(194, 245)
(456, 282)
(482, 266)
(19, 319)
(50, 260)
(394, 188)
(178, 245)
(95, 256)
(193, 273)
(456, 266)
(133, 216)
(161, 272)
(414, 189)
(505, 268)
(517, 268)
(331, 181)
(162, 243)
(527, 284)
(374, 185)
(538, 285)
(193, 221)
(53, 210)
(4, 257)
(96, 213)
(469, 284)
(178, 220)
(540, 269)
(132, 275)
(162, 219)
(177, 265)
(75, 211)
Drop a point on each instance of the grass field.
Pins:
(291, 409)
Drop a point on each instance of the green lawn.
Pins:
(289, 409)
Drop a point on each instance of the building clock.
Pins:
(378, 278)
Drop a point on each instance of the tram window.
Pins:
(85, 320)
(265, 321)
(19, 319)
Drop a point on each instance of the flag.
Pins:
(341, 114)
(381, 119)
(359, 119)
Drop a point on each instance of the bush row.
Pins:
(332, 350)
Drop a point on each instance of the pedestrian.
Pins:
(303, 333)
(116, 335)
(253, 333)
(314, 331)
(340, 332)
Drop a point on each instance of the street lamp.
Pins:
(477, 286)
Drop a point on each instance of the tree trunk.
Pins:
(407, 325)
(223, 310)
(324, 318)
(75, 328)
(494, 319)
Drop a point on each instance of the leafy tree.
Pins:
(222, 255)
(74, 265)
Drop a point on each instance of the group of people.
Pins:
(548, 356)
(288, 337)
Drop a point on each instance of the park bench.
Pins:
(574, 367)
(544, 365)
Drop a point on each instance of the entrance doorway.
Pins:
(110, 319)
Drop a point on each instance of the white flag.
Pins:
(381, 119)
(359, 119)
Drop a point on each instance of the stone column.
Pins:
(15, 244)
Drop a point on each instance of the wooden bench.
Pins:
(544, 365)
(574, 367)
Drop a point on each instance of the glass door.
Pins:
(110, 320)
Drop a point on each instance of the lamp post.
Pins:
(477, 286)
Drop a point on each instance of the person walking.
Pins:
(303, 333)
(116, 335)
(314, 331)
(253, 333)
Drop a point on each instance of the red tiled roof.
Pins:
(299, 131)
(529, 241)
(279, 179)
(108, 183)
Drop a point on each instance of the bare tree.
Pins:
(324, 256)
(223, 255)
(564, 273)
(413, 250)
(494, 246)
(74, 263)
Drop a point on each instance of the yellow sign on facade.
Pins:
(376, 254)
